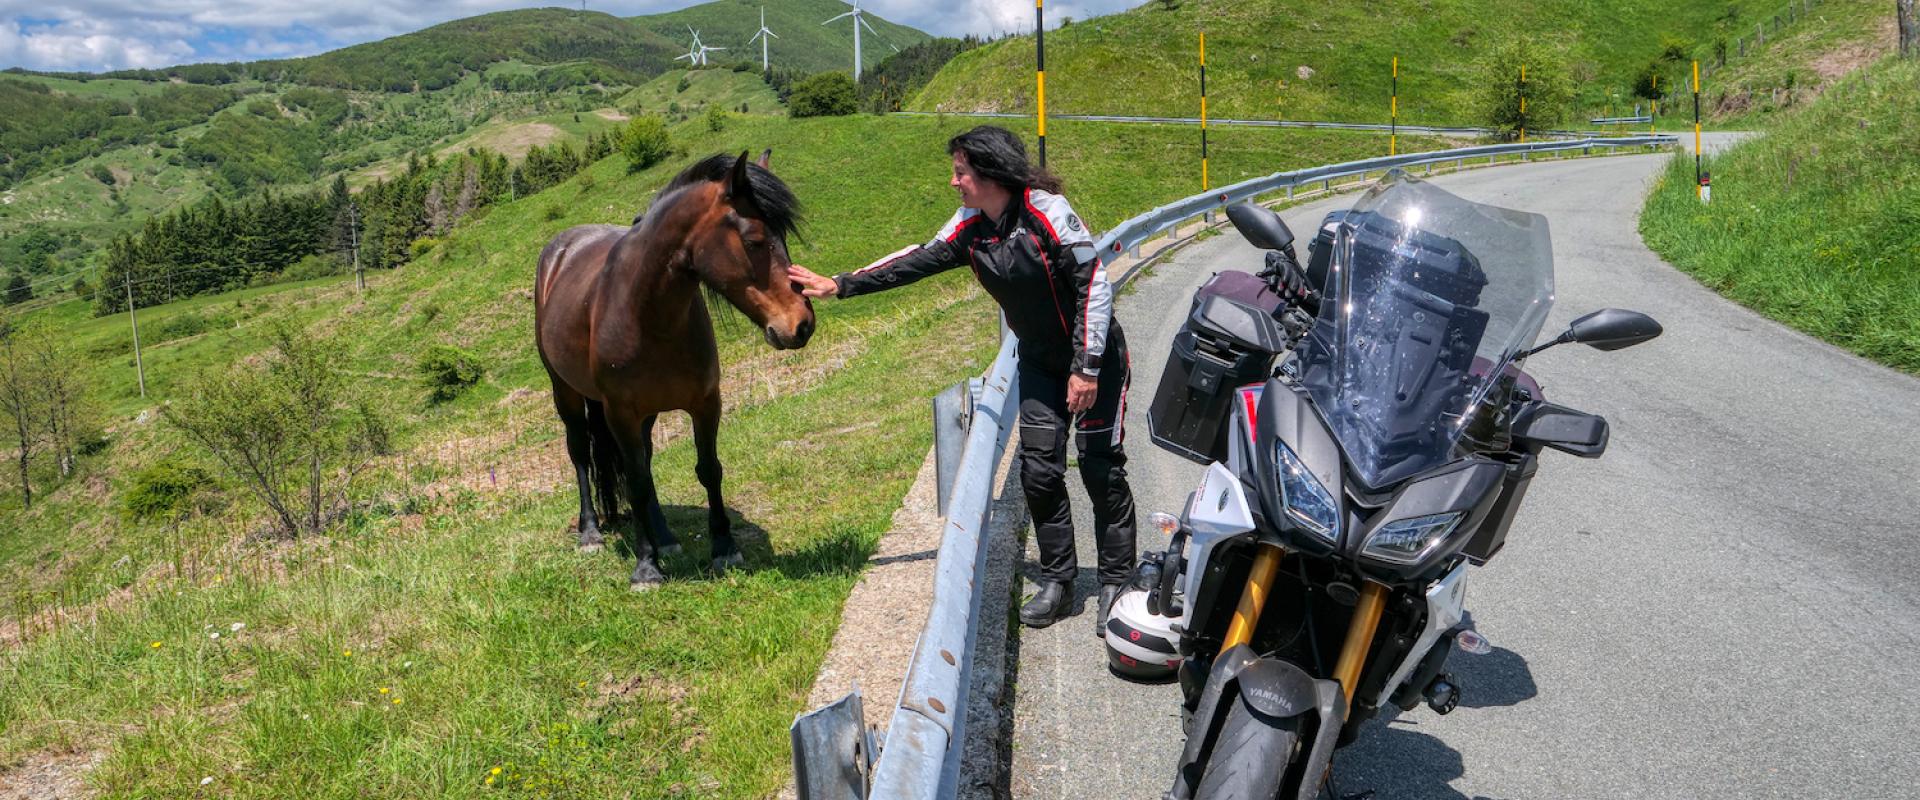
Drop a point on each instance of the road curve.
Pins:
(1722, 606)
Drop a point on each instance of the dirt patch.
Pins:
(611, 115)
(121, 176)
(1834, 64)
(512, 141)
(50, 775)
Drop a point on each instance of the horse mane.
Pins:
(779, 208)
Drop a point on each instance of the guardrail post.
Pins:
(1289, 191)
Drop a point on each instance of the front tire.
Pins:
(1250, 757)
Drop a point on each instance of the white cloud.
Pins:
(114, 34)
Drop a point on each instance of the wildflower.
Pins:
(214, 635)
(206, 780)
(408, 665)
(396, 701)
(155, 645)
(494, 771)
(489, 780)
(384, 690)
(347, 653)
(237, 627)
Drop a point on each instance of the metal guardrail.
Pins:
(1641, 119)
(1439, 130)
(925, 738)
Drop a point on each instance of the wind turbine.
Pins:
(697, 55)
(859, 19)
(762, 36)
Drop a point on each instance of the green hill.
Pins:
(1798, 62)
(1297, 60)
(803, 43)
(1816, 223)
(453, 587)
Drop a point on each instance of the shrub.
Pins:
(164, 490)
(716, 119)
(828, 94)
(422, 246)
(645, 142)
(312, 266)
(553, 212)
(1549, 88)
(102, 174)
(448, 371)
(682, 85)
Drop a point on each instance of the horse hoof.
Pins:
(642, 586)
(591, 547)
(670, 550)
(729, 561)
(645, 577)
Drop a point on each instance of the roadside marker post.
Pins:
(1393, 112)
(1523, 104)
(1699, 186)
(1040, 66)
(1204, 184)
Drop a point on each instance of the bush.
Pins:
(645, 142)
(1549, 88)
(553, 212)
(164, 490)
(828, 94)
(102, 174)
(312, 266)
(682, 86)
(422, 246)
(716, 119)
(448, 371)
(18, 290)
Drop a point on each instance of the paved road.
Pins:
(1723, 606)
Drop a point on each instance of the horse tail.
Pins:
(608, 467)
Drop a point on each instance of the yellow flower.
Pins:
(155, 645)
(396, 701)
(347, 653)
(384, 690)
(489, 781)
(494, 771)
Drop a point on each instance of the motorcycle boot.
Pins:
(1052, 602)
(1108, 593)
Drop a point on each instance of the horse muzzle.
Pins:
(790, 341)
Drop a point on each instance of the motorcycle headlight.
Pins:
(1406, 541)
(1307, 502)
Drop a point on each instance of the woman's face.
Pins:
(975, 191)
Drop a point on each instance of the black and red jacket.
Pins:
(1038, 262)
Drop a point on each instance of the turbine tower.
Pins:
(762, 36)
(859, 19)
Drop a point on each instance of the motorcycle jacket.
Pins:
(1037, 261)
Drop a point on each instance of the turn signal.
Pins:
(1166, 524)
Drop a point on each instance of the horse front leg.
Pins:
(646, 572)
(706, 440)
(663, 538)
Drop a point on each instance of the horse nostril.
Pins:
(805, 331)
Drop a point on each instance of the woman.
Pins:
(1034, 256)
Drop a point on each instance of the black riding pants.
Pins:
(1098, 434)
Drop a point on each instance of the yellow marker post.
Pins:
(1696, 129)
(1393, 127)
(1203, 112)
(1040, 67)
(1523, 104)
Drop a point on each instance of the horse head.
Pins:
(739, 250)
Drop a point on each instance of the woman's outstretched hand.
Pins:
(811, 284)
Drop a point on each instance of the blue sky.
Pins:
(96, 35)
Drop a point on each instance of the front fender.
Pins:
(1277, 688)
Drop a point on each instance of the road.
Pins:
(1722, 606)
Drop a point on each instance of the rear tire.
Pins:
(1250, 757)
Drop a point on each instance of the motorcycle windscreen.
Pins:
(1422, 283)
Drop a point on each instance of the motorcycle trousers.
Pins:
(1098, 435)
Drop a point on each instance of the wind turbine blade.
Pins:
(863, 21)
(772, 34)
(756, 37)
(838, 18)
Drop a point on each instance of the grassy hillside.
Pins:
(1284, 58)
(803, 43)
(1816, 224)
(1796, 64)
(454, 589)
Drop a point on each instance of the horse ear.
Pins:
(766, 156)
(739, 185)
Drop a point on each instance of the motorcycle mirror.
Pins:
(1607, 329)
(1262, 226)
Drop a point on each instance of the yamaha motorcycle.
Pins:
(1367, 441)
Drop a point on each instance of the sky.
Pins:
(99, 35)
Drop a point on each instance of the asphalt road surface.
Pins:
(1725, 605)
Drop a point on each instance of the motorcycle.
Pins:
(1363, 451)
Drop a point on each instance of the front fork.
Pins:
(1353, 652)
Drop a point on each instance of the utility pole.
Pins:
(139, 368)
(353, 230)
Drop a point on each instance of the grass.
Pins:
(1797, 63)
(725, 87)
(1285, 59)
(455, 587)
(1816, 224)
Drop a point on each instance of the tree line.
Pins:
(41, 129)
(218, 245)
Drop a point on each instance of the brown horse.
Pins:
(625, 334)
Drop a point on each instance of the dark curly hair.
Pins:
(999, 156)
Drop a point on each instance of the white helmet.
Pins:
(1141, 646)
